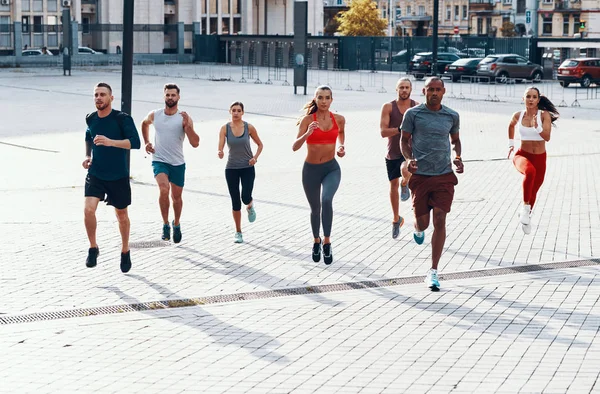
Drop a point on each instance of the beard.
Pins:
(404, 96)
(101, 106)
(171, 104)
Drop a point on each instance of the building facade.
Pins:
(415, 17)
(39, 21)
(563, 18)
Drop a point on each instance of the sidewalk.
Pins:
(538, 329)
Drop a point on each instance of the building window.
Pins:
(465, 13)
(85, 24)
(421, 10)
(25, 24)
(38, 5)
(456, 12)
(479, 26)
(521, 6)
(37, 24)
(408, 11)
(25, 5)
(547, 25)
(52, 7)
(565, 25)
(488, 25)
(5, 31)
(575, 23)
(448, 13)
(548, 1)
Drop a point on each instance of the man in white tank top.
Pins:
(171, 127)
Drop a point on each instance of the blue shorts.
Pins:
(176, 174)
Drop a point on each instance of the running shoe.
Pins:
(176, 233)
(251, 213)
(526, 228)
(327, 254)
(238, 238)
(166, 235)
(525, 214)
(126, 261)
(396, 227)
(432, 280)
(419, 237)
(92, 258)
(316, 251)
(404, 192)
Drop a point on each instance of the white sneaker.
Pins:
(525, 214)
(526, 228)
(432, 280)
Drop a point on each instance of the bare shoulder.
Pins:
(251, 128)
(339, 118)
(306, 119)
(387, 107)
(515, 116)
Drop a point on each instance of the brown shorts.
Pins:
(430, 192)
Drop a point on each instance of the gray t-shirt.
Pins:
(430, 137)
(168, 139)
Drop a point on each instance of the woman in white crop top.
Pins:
(534, 125)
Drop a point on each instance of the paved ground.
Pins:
(522, 329)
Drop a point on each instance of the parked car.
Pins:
(584, 71)
(402, 56)
(500, 68)
(474, 52)
(35, 52)
(88, 51)
(462, 67)
(421, 63)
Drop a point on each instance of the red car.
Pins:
(584, 70)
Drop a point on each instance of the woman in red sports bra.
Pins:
(321, 129)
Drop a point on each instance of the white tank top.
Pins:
(168, 139)
(531, 133)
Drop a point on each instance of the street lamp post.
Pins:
(127, 65)
(436, 12)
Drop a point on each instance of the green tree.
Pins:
(508, 29)
(361, 19)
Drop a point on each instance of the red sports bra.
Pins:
(319, 136)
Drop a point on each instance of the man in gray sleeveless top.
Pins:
(171, 127)
(391, 118)
(428, 130)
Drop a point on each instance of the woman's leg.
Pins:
(247, 175)
(311, 181)
(233, 184)
(331, 182)
(525, 167)
(540, 166)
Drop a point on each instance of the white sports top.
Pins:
(531, 133)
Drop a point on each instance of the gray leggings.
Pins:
(329, 175)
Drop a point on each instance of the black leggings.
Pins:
(233, 176)
(314, 176)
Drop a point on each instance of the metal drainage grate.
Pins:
(219, 299)
(148, 244)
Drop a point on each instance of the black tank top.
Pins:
(393, 150)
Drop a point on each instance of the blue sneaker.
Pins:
(251, 214)
(396, 227)
(404, 192)
(176, 233)
(419, 237)
(432, 280)
(238, 238)
(166, 235)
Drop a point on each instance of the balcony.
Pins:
(481, 5)
(568, 6)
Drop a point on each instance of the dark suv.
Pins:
(421, 63)
(499, 68)
(581, 70)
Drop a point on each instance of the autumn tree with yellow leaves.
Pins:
(361, 19)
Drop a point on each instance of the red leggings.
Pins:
(533, 166)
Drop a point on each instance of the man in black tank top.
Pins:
(398, 175)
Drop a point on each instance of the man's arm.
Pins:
(188, 128)
(148, 120)
(455, 139)
(131, 140)
(405, 146)
(384, 122)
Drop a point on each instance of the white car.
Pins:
(35, 52)
(88, 51)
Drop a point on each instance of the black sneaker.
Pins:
(92, 258)
(126, 261)
(327, 254)
(176, 233)
(316, 251)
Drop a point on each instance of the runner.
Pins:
(391, 118)
(320, 129)
(535, 125)
(109, 135)
(427, 131)
(168, 163)
(240, 164)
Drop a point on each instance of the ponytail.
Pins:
(546, 105)
(310, 108)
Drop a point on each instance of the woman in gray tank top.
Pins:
(240, 164)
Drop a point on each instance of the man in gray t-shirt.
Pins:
(427, 132)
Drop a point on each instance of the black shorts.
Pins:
(116, 193)
(393, 168)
